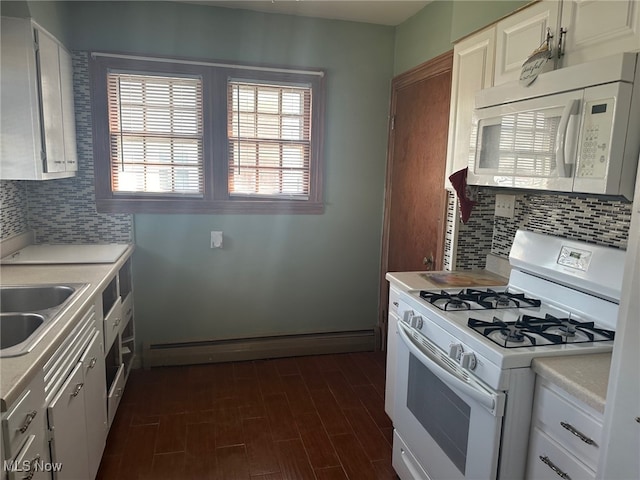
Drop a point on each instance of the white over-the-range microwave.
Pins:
(576, 129)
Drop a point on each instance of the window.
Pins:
(205, 138)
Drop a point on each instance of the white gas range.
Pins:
(464, 386)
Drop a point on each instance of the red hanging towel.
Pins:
(459, 182)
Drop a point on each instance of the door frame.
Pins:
(436, 66)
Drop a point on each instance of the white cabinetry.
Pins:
(117, 305)
(518, 35)
(565, 436)
(473, 64)
(37, 135)
(597, 29)
(76, 399)
(392, 339)
(24, 444)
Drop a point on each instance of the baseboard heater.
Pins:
(212, 351)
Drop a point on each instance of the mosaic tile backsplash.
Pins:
(63, 211)
(588, 219)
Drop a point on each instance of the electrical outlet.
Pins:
(216, 239)
(505, 206)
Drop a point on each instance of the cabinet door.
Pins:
(599, 28)
(50, 87)
(66, 418)
(520, 34)
(473, 64)
(68, 111)
(95, 401)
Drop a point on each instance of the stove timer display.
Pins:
(575, 258)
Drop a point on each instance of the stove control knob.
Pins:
(468, 360)
(416, 322)
(408, 316)
(455, 350)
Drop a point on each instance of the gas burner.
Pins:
(493, 300)
(530, 331)
(449, 301)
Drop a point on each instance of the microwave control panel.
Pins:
(596, 138)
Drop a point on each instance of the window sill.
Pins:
(233, 207)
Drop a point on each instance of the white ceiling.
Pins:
(383, 12)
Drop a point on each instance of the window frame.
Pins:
(216, 197)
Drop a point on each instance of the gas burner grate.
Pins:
(529, 331)
(474, 299)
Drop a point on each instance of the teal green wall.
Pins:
(52, 16)
(276, 273)
(433, 29)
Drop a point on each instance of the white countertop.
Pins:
(444, 279)
(586, 377)
(16, 372)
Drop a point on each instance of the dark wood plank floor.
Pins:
(318, 417)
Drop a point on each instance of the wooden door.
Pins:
(415, 198)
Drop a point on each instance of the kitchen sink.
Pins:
(27, 312)
(33, 298)
(15, 328)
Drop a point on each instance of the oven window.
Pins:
(440, 412)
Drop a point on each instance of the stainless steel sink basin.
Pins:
(33, 298)
(27, 312)
(15, 328)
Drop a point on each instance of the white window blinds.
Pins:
(155, 133)
(269, 132)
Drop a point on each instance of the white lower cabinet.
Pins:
(76, 411)
(565, 436)
(25, 450)
(392, 326)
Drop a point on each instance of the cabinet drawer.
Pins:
(548, 460)
(394, 296)
(24, 417)
(112, 321)
(29, 462)
(573, 427)
(115, 393)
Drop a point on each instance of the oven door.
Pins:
(449, 422)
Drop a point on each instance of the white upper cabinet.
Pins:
(473, 64)
(38, 140)
(518, 35)
(596, 29)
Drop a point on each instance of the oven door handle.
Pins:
(449, 377)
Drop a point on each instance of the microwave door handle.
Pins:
(483, 398)
(561, 136)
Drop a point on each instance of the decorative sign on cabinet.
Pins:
(37, 135)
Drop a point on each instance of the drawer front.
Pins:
(394, 296)
(115, 394)
(32, 460)
(574, 428)
(25, 417)
(112, 321)
(549, 461)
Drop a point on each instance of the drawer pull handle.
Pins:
(93, 362)
(116, 322)
(578, 434)
(552, 466)
(76, 391)
(27, 421)
(33, 466)
(396, 304)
